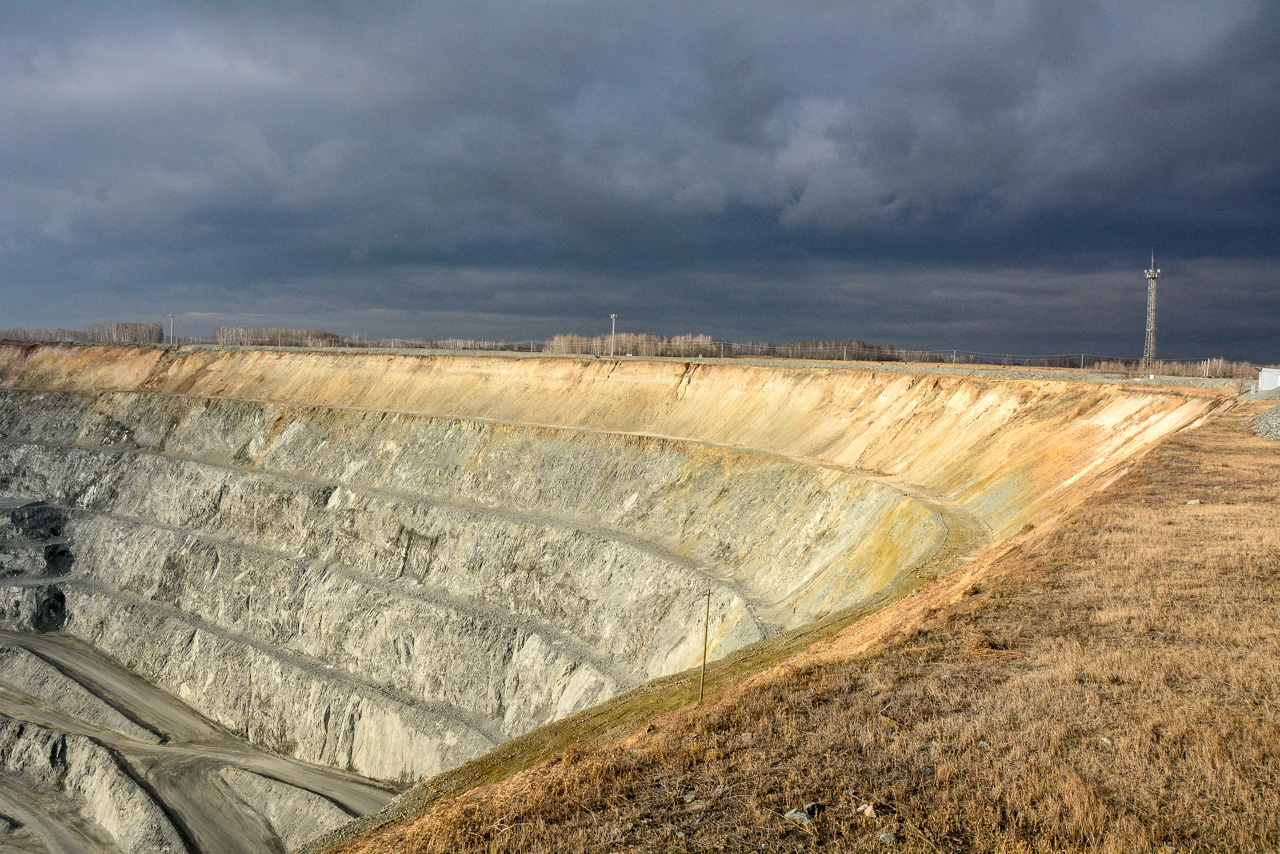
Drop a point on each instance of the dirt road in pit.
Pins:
(180, 773)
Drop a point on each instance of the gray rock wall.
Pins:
(394, 594)
(296, 815)
(85, 775)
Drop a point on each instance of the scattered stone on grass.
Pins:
(807, 813)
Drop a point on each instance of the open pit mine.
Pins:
(251, 594)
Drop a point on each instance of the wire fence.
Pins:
(629, 344)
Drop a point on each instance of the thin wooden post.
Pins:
(706, 627)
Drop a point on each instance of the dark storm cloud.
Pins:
(983, 174)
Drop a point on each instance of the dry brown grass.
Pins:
(1109, 685)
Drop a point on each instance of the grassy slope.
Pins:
(1110, 684)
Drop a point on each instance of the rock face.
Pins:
(40, 608)
(92, 759)
(24, 672)
(295, 814)
(52, 765)
(388, 564)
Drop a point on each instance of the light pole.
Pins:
(613, 332)
(171, 330)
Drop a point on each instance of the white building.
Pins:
(1268, 379)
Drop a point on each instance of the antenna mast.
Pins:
(1149, 350)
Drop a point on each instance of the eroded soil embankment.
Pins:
(391, 564)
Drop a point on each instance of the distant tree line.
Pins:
(241, 336)
(1208, 368)
(629, 344)
(632, 344)
(113, 332)
(705, 346)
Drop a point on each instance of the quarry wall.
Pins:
(388, 563)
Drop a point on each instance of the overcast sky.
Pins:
(981, 175)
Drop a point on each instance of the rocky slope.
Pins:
(388, 564)
(93, 758)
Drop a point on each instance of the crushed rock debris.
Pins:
(1267, 425)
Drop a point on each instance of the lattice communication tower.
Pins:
(1149, 350)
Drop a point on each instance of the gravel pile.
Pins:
(1273, 394)
(1267, 425)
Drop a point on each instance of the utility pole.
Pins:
(706, 626)
(613, 332)
(1149, 349)
(171, 341)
